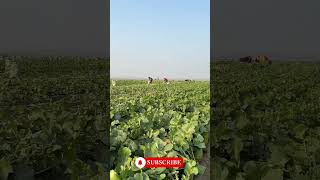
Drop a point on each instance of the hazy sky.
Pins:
(56, 27)
(285, 28)
(160, 38)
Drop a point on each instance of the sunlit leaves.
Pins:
(160, 121)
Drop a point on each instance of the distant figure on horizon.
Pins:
(166, 80)
(150, 80)
(113, 82)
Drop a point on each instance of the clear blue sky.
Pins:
(160, 38)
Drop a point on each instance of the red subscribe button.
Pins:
(153, 162)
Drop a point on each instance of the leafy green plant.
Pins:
(158, 120)
(53, 119)
(266, 121)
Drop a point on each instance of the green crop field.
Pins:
(53, 119)
(266, 121)
(159, 120)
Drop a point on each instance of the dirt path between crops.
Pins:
(205, 162)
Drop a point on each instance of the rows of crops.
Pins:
(54, 66)
(53, 119)
(53, 122)
(266, 122)
(158, 120)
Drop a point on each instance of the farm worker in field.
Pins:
(166, 80)
(150, 80)
(113, 83)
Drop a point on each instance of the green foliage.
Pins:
(158, 120)
(266, 122)
(53, 120)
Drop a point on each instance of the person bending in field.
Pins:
(150, 80)
(166, 80)
(113, 83)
